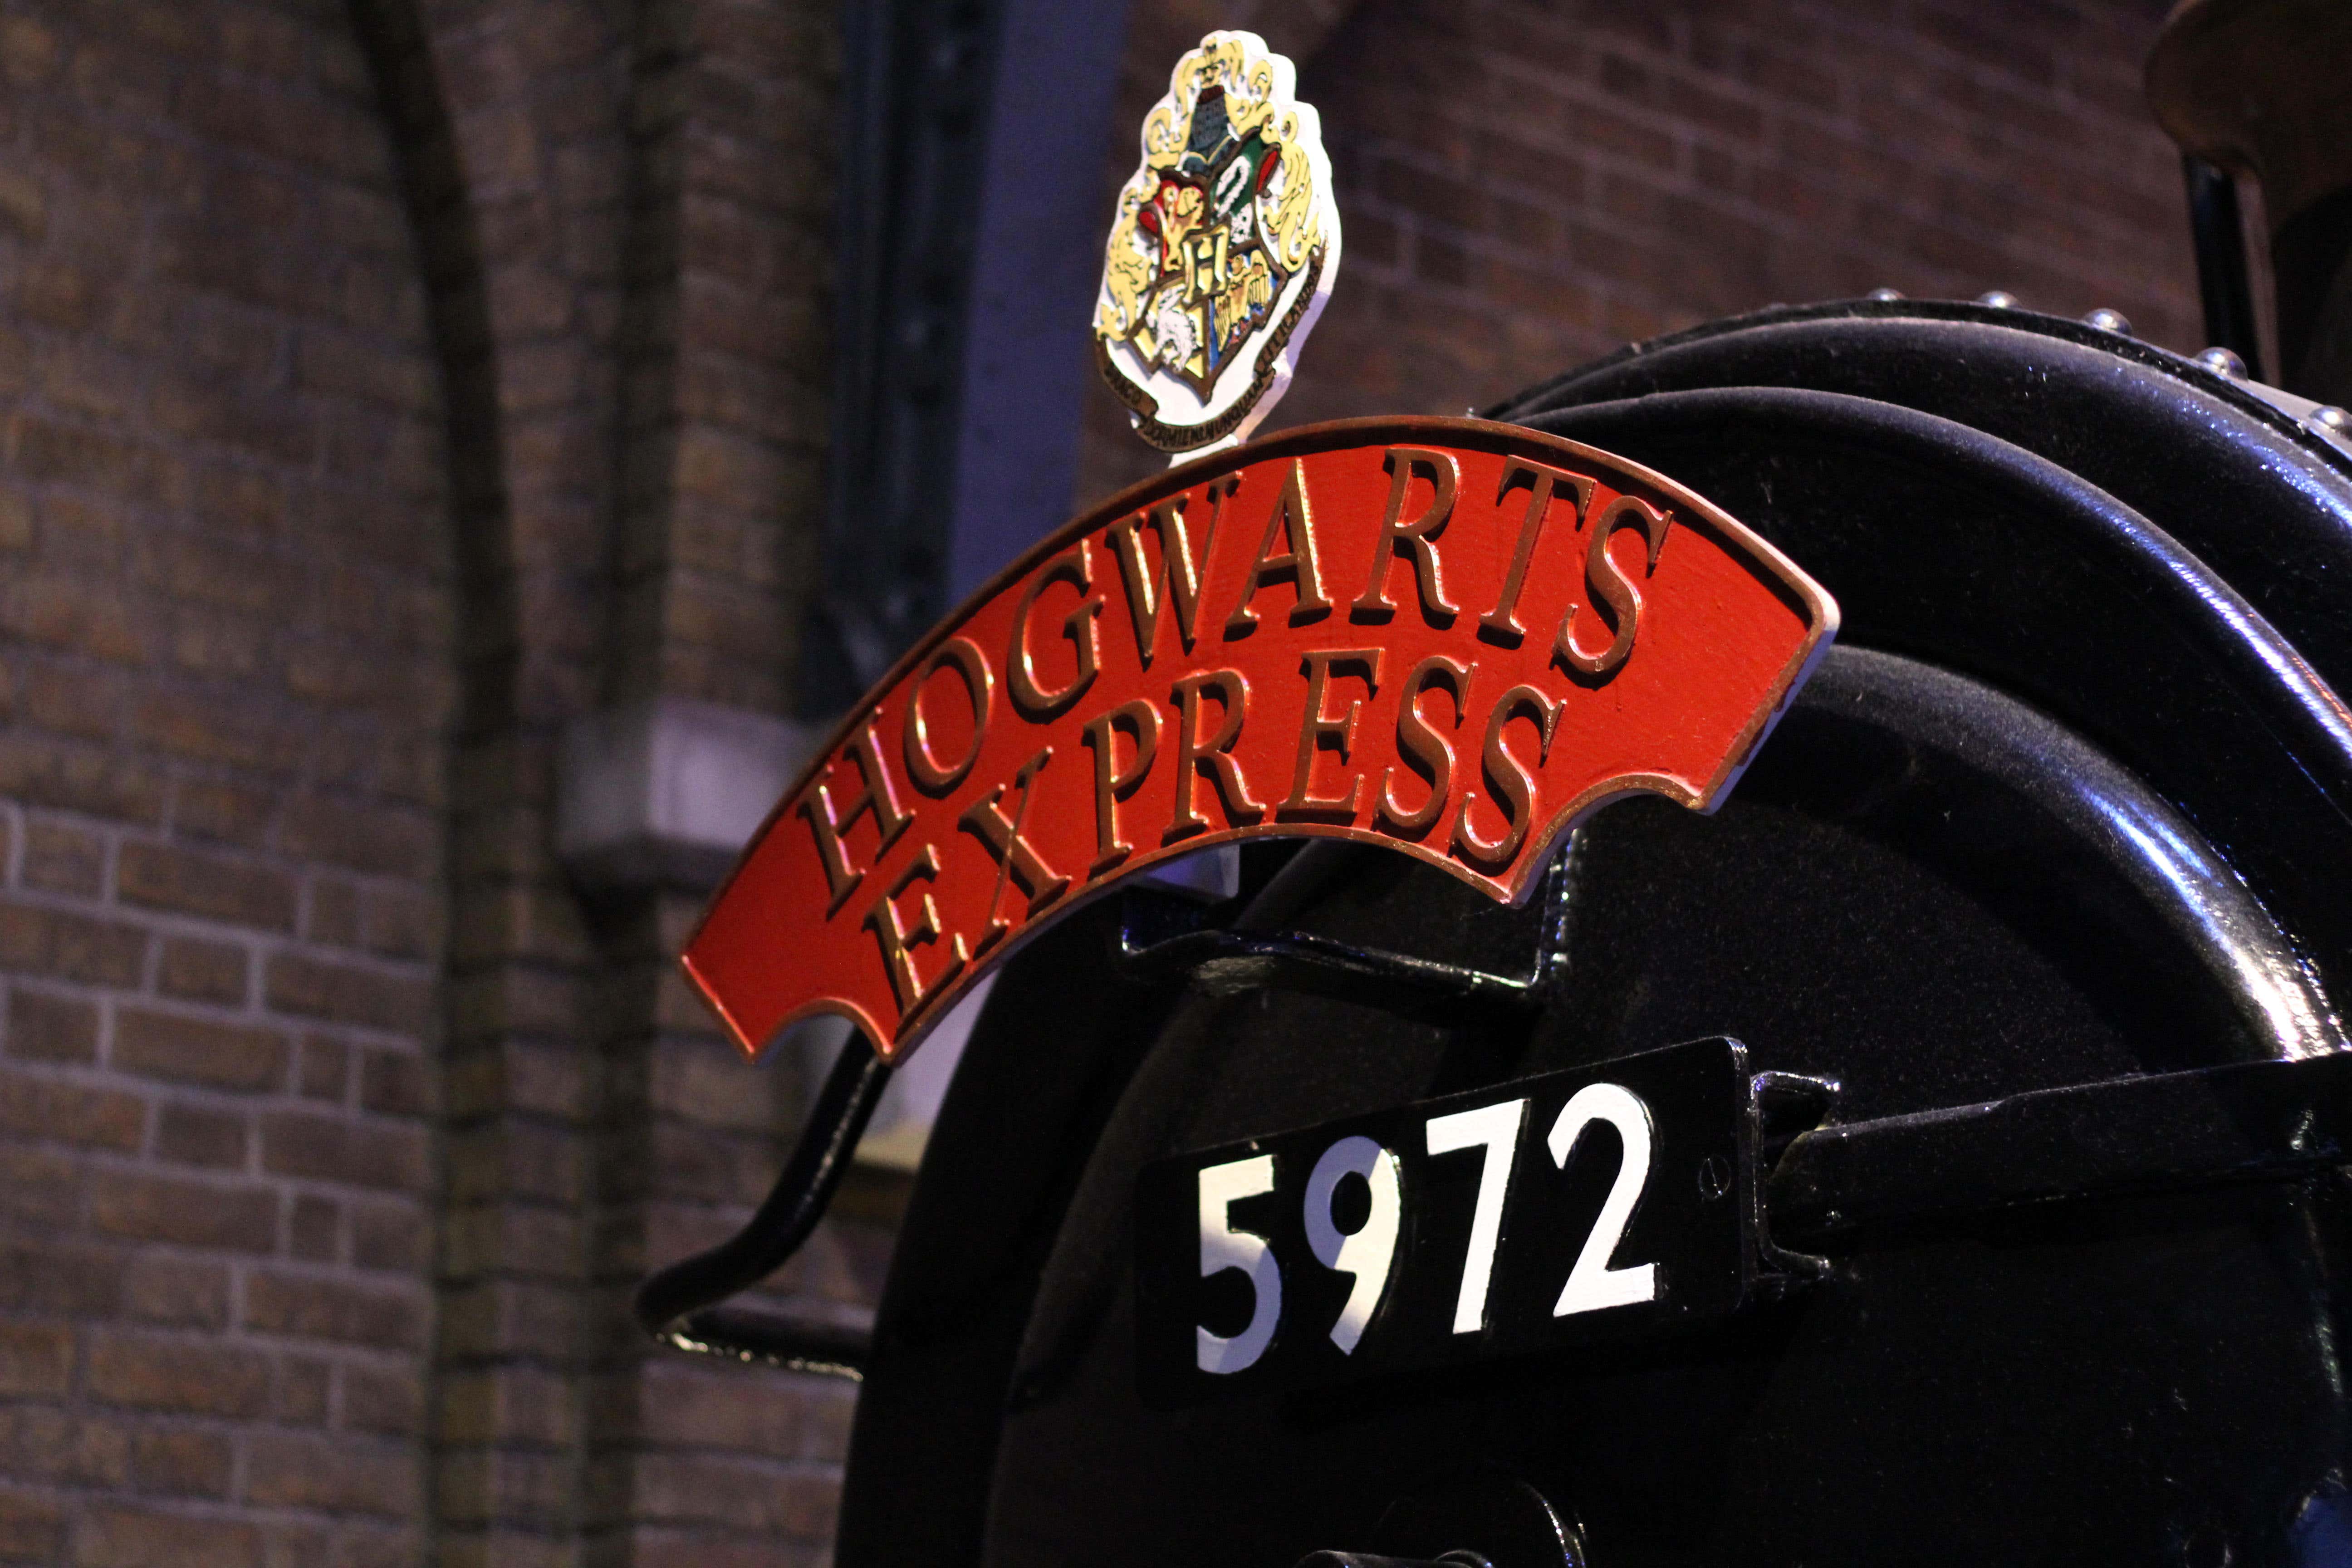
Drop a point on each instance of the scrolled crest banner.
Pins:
(1445, 636)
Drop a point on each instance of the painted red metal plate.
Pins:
(1446, 637)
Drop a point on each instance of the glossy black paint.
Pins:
(2068, 806)
(679, 1305)
(2223, 283)
(2247, 1122)
(1970, 554)
(1511, 1524)
(1166, 937)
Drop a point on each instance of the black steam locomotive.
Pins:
(2028, 934)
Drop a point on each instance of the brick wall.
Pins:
(223, 682)
(1527, 185)
(384, 384)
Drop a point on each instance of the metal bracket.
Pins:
(2242, 1122)
(680, 1305)
(1163, 938)
(1781, 1108)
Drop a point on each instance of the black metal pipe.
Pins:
(2223, 277)
(680, 1305)
(2240, 1122)
(1159, 937)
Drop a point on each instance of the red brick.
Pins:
(337, 1148)
(197, 882)
(698, 1406)
(304, 1389)
(403, 922)
(29, 52)
(203, 970)
(46, 450)
(182, 1464)
(390, 1237)
(43, 1443)
(348, 994)
(333, 917)
(61, 1277)
(43, 771)
(712, 1488)
(48, 1029)
(39, 1187)
(74, 299)
(296, 1471)
(295, 127)
(70, 1112)
(177, 1374)
(319, 1307)
(186, 1292)
(153, 1207)
(114, 1537)
(74, 616)
(217, 256)
(314, 1230)
(59, 858)
(204, 725)
(192, 1135)
(31, 1526)
(36, 1359)
(326, 1068)
(374, 1400)
(184, 1049)
(272, 426)
(69, 946)
(224, 812)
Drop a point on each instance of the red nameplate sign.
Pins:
(1444, 635)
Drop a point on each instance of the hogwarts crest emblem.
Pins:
(1223, 251)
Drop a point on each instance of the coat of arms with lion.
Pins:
(1223, 251)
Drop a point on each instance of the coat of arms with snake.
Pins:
(1223, 251)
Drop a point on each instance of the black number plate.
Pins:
(1581, 1205)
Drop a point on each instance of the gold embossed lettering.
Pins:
(1075, 567)
(1609, 586)
(1501, 623)
(1424, 749)
(1212, 755)
(1320, 731)
(1178, 577)
(899, 940)
(1512, 786)
(1113, 783)
(1418, 534)
(1016, 857)
(962, 655)
(1294, 518)
(828, 822)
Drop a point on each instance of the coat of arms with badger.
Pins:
(1223, 251)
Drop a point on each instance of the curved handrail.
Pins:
(680, 1305)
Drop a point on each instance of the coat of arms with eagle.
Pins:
(1223, 251)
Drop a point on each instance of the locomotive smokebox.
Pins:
(1773, 986)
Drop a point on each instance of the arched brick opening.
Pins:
(623, 212)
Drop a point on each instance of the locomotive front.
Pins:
(1737, 958)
